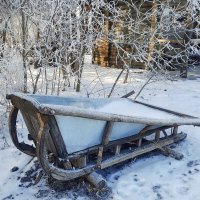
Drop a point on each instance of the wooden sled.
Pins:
(74, 138)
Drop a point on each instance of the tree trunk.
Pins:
(4, 38)
(78, 85)
(24, 49)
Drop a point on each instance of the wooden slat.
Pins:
(142, 150)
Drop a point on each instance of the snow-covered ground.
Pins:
(148, 177)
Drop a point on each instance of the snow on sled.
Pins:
(75, 137)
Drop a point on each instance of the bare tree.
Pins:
(54, 37)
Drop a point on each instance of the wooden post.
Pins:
(79, 162)
(175, 130)
(170, 152)
(157, 135)
(105, 140)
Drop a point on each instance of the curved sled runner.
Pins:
(75, 137)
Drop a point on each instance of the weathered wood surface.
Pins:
(47, 137)
(142, 150)
(97, 180)
(29, 112)
(78, 112)
(172, 153)
(107, 133)
(71, 174)
(85, 113)
(55, 134)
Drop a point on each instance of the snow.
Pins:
(150, 177)
(159, 177)
(77, 139)
(129, 108)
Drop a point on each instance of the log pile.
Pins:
(119, 53)
(108, 54)
(100, 53)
